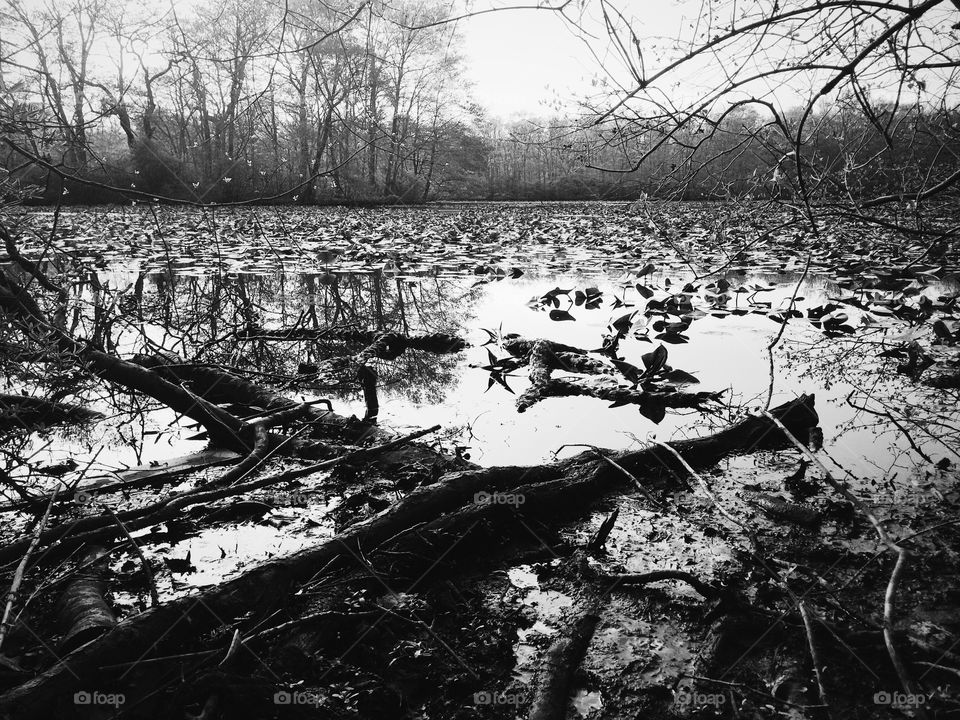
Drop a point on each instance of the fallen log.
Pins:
(21, 412)
(615, 394)
(101, 528)
(570, 483)
(213, 383)
(543, 359)
(223, 427)
(521, 347)
(558, 668)
(82, 611)
(218, 385)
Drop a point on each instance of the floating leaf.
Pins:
(630, 372)
(623, 323)
(654, 360)
(561, 315)
(646, 292)
(682, 377)
(673, 338)
(646, 270)
(654, 411)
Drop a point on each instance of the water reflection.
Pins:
(276, 328)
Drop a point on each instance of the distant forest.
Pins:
(327, 102)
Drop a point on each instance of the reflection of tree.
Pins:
(273, 329)
(885, 401)
(278, 327)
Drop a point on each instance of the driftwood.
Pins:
(214, 383)
(218, 385)
(544, 358)
(571, 484)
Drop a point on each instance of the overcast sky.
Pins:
(520, 59)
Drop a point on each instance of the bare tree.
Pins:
(853, 103)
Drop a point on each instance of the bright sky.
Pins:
(519, 60)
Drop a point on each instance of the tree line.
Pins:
(333, 102)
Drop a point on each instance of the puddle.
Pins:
(586, 701)
(547, 607)
(218, 552)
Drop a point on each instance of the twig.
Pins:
(814, 656)
(783, 327)
(887, 414)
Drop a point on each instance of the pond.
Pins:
(190, 282)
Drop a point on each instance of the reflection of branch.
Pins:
(887, 414)
(783, 327)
